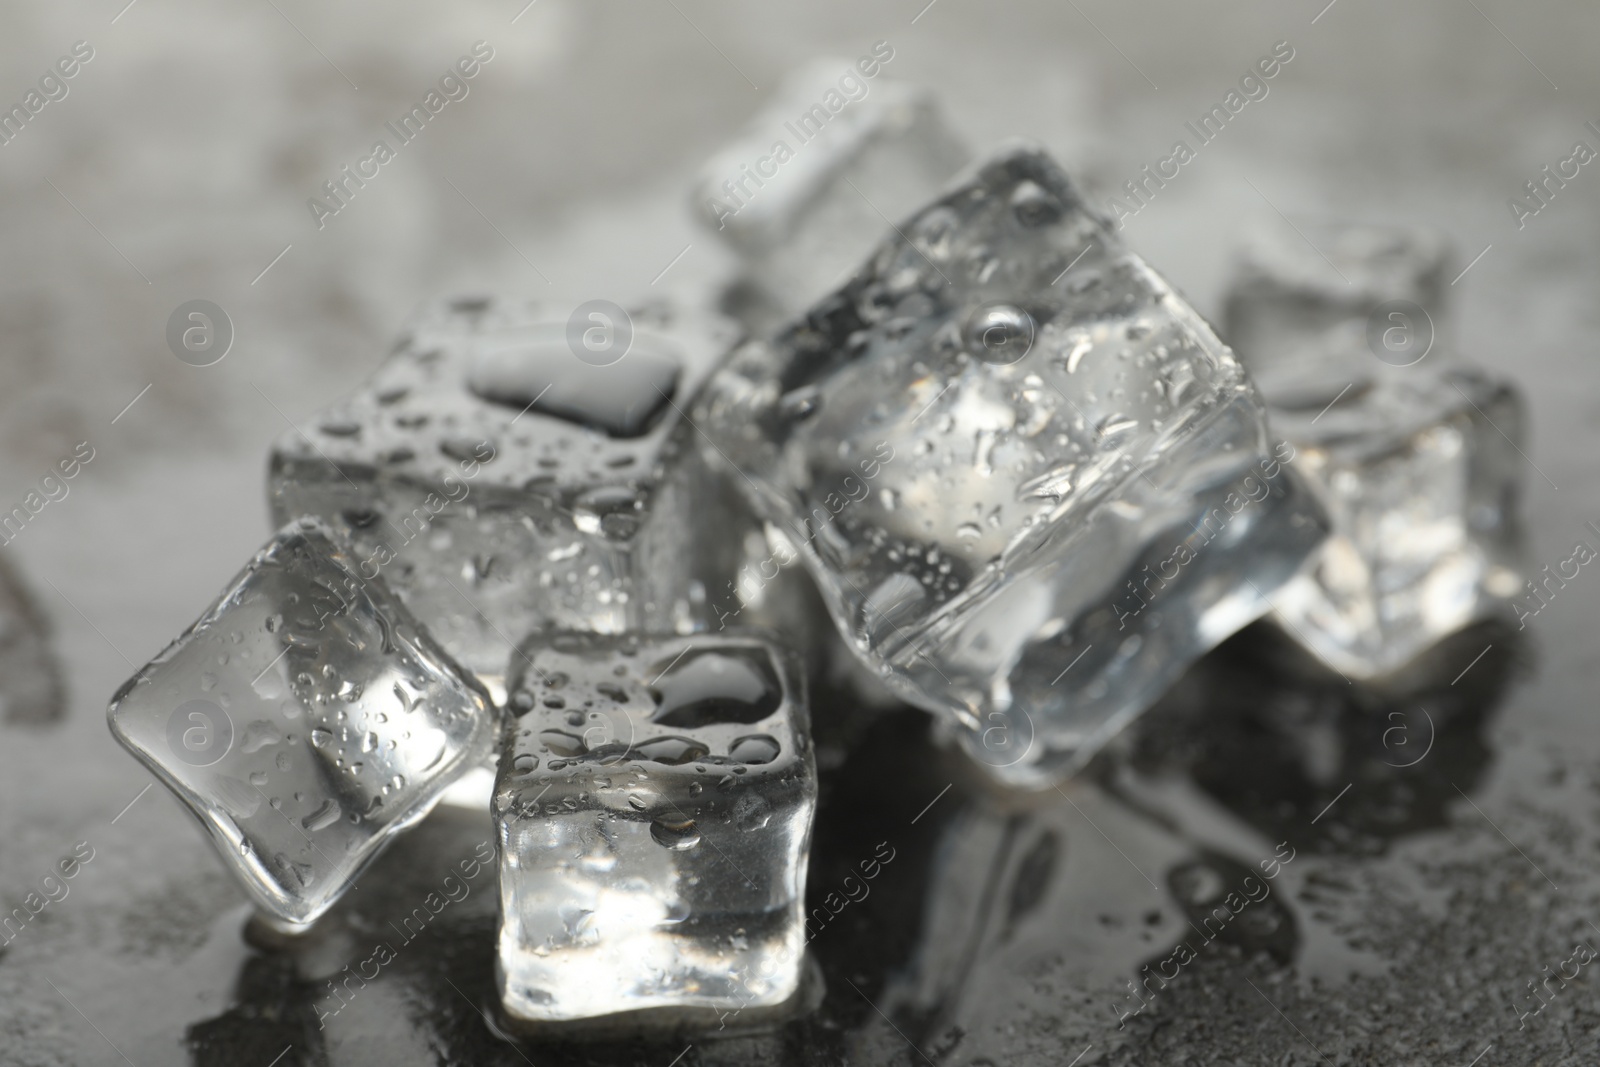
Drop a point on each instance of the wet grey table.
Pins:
(1434, 892)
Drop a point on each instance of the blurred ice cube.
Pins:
(1417, 460)
(821, 174)
(305, 719)
(654, 806)
(1029, 480)
(1306, 294)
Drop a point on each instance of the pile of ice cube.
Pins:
(1030, 483)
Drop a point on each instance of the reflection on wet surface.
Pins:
(1216, 854)
(31, 692)
(1276, 747)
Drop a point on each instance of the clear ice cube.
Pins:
(501, 484)
(820, 175)
(1029, 480)
(654, 811)
(305, 720)
(1418, 461)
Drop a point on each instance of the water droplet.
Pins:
(1000, 334)
(672, 751)
(755, 749)
(323, 817)
(1053, 484)
(676, 834)
(624, 399)
(258, 735)
(561, 743)
(731, 685)
(469, 449)
(1113, 427)
(1033, 206)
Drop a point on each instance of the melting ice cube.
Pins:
(820, 175)
(654, 807)
(501, 482)
(1029, 480)
(1417, 459)
(305, 720)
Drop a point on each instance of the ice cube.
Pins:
(305, 720)
(1418, 460)
(1029, 480)
(654, 811)
(1308, 293)
(820, 175)
(501, 483)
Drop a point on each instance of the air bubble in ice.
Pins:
(677, 834)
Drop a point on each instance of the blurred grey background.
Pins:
(179, 164)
